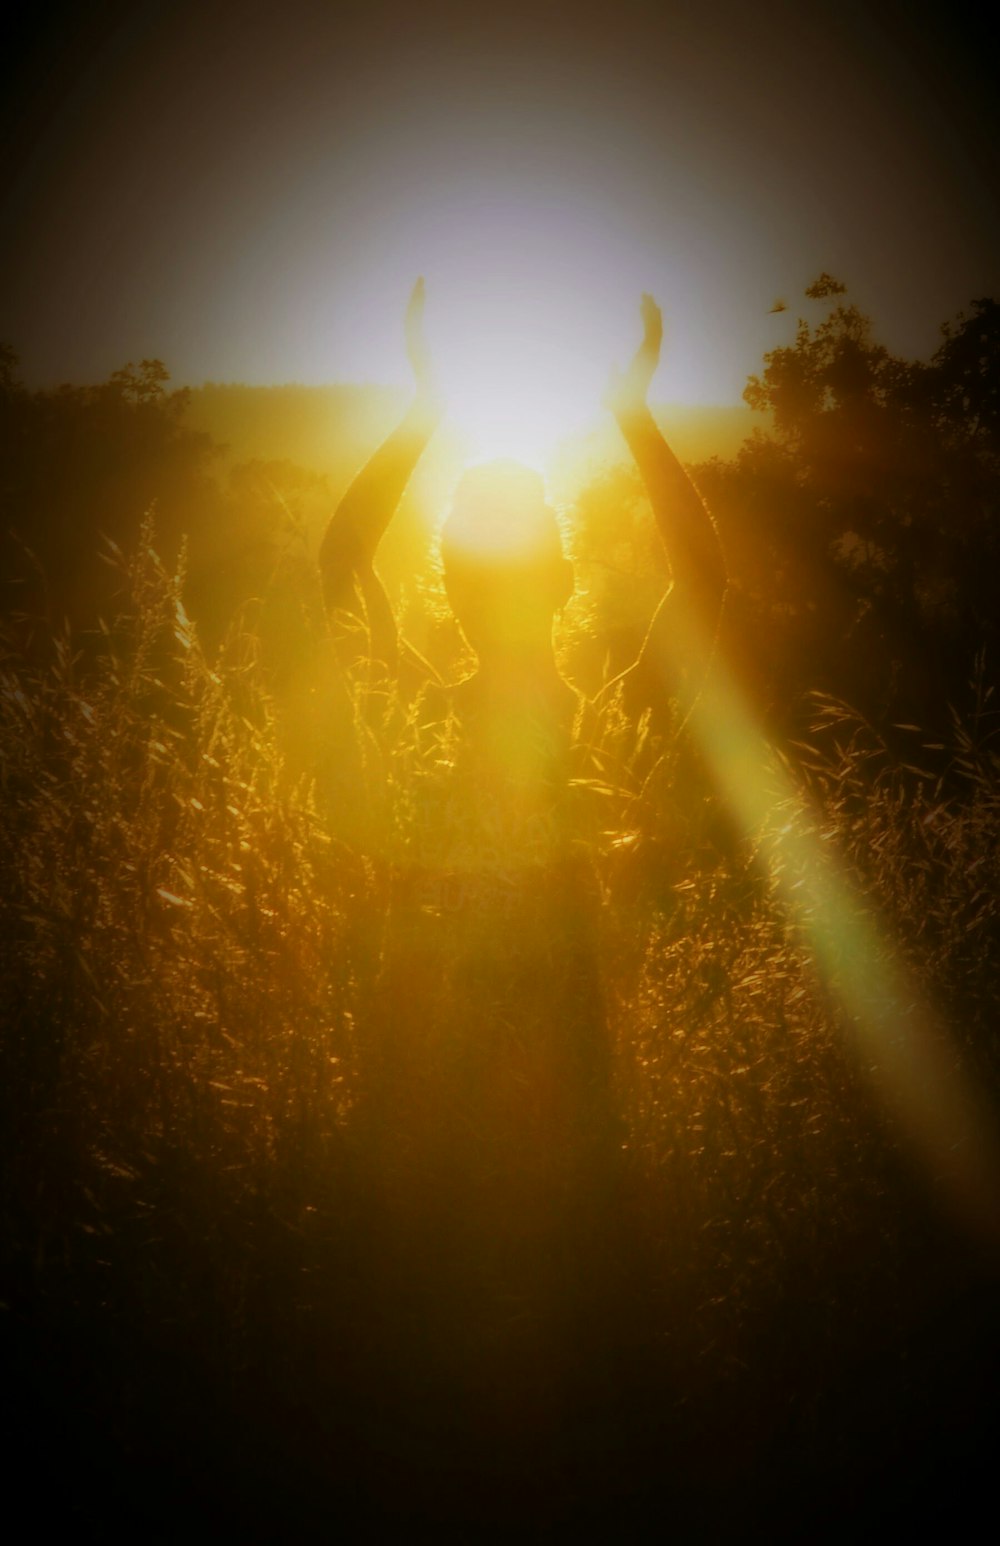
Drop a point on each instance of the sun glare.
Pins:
(500, 513)
(530, 302)
(514, 390)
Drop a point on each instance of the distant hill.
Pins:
(323, 428)
(699, 431)
(331, 429)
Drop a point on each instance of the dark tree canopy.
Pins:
(861, 521)
(864, 523)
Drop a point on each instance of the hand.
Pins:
(417, 351)
(628, 391)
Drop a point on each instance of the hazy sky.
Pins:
(248, 190)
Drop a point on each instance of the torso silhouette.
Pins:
(491, 1027)
(489, 1099)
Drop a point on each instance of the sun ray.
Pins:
(903, 1043)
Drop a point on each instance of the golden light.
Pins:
(515, 391)
(531, 301)
(500, 514)
(903, 1043)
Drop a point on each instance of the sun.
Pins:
(514, 390)
(531, 300)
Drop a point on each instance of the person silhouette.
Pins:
(505, 572)
(490, 1099)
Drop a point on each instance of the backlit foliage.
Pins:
(300, 1217)
(191, 974)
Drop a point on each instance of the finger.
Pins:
(652, 319)
(415, 305)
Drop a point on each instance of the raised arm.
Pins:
(677, 649)
(347, 551)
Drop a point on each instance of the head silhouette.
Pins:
(504, 568)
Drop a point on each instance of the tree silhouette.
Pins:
(81, 463)
(862, 525)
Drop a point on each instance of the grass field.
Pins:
(246, 1295)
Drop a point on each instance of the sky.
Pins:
(248, 191)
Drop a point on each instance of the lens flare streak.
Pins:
(900, 1038)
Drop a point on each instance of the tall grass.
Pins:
(201, 1268)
